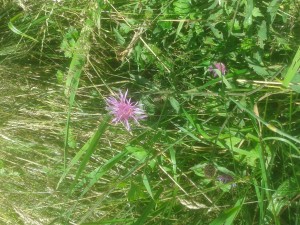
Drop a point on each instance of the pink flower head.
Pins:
(217, 66)
(123, 110)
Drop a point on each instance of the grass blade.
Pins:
(283, 140)
(271, 127)
(16, 30)
(87, 149)
(147, 185)
(101, 171)
(228, 216)
(292, 69)
(77, 64)
(148, 209)
(90, 147)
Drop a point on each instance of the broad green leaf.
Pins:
(140, 154)
(225, 170)
(72, 139)
(238, 205)
(81, 47)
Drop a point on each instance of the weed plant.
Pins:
(218, 80)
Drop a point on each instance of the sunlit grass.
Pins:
(220, 149)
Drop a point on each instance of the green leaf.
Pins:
(180, 25)
(119, 37)
(175, 104)
(285, 141)
(173, 160)
(138, 152)
(124, 28)
(147, 185)
(101, 171)
(82, 47)
(218, 34)
(16, 30)
(135, 192)
(111, 221)
(283, 195)
(182, 7)
(225, 170)
(292, 71)
(272, 9)
(71, 139)
(269, 126)
(248, 11)
(228, 216)
(148, 12)
(68, 44)
(90, 147)
(199, 169)
(260, 70)
(262, 34)
(142, 219)
(87, 149)
(295, 88)
(256, 12)
(59, 77)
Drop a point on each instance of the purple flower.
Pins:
(224, 178)
(217, 67)
(123, 110)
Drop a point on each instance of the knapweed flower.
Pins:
(123, 110)
(217, 67)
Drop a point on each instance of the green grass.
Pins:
(63, 161)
